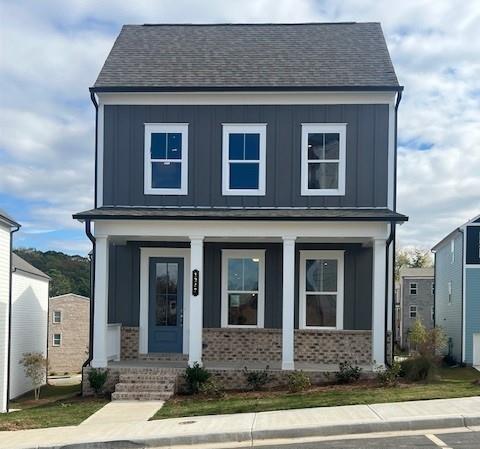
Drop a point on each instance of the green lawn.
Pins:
(58, 406)
(453, 382)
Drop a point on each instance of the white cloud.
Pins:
(52, 52)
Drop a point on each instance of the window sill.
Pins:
(177, 192)
(243, 192)
(246, 326)
(323, 192)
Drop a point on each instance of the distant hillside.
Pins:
(70, 274)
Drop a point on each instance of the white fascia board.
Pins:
(232, 98)
(239, 228)
(100, 153)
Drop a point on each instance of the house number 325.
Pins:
(195, 282)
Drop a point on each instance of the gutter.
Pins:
(88, 232)
(17, 227)
(94, 101)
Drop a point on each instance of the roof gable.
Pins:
(249, 56)
(22, 265)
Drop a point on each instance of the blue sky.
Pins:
(52, 51)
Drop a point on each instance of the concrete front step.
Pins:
(160, 356)
(140, 378)
(145, 387)
(140, 396)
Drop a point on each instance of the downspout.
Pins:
(17, 227)
(94, 101)
(88, 231)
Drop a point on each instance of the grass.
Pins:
(453, 383)
(58, 406)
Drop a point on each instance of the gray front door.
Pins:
(165, 318)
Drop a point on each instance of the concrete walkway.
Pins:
(247, 429)
(119, 412)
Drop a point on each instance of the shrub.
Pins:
(212, 388)
(35, 367)
(257, 379)
(419, 368)
(195, 376)
(347, 373)
(298, 381)
(97, 379)
(389, 376)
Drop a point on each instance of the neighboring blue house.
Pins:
(245, 206)
(457, 291)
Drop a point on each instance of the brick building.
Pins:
(68, 333)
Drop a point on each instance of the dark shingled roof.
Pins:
(108, 213)
(307, 56)
(22, 265)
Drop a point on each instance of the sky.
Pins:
(51, 52)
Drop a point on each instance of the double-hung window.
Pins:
(166, 159)
(321, 289)
(57, 340)
(57, 316)
(413, 288)
(243, 285)
(413, 311)
(244, 148)
(323, 159)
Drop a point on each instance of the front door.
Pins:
(165, 318)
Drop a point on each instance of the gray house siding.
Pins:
(124, 283)
(473, 245)
(449, 316)
(366, 144)
(472, 310)
(424, 302)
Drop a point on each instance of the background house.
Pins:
(68, 333)
(457, 291)
(29, 320)
(415, 293)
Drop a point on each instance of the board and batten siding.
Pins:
(29, 325)
(449, 316)
(4, 315)
(366, 150)
(472, 310)
(124, 282)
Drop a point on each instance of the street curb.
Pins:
(262, 437)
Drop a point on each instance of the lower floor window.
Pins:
(321, 289)
(57, 339)
(413, 311)
(243, 288)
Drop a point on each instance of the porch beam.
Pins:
(378, 302)
(196, 302)
(288, 311)
(100, 319)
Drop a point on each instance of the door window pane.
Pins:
(242, 309)
(244, 175)
(321, 275)
(166, 294)
(321, 310)
(323, 175)
(166, 175)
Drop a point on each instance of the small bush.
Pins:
(298, 381)
(195, 376)
(256, 380)
(35, 366)
(212, 388)
(348, 373)
(419, 368)
(389, 376)
(97, 379)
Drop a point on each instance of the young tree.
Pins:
(412, 258)
(35, 366)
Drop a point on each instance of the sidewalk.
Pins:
(248, 428)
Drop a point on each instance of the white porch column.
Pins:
(196, 302)
(100, 318)
(378, 302)
(288, 311)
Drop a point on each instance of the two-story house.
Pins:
(245, 204)
(457, 291)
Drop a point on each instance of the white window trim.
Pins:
(412, 308)
(449, 292)
(410, 288)
(339, 257)
(244, 253)
(150, 128)
(309, 128)
(452, 251)
(53, 339)
(244, 128)
(53, 317)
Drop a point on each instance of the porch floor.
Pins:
(229, 365)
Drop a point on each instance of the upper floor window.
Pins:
(57, 316)
(166, 159)
(452, 251)
(449, 287)
(323, 159)
(244, 147)
(413, 288)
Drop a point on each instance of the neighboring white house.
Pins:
(7, 226)
(29, 324)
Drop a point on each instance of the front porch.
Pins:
(307, 295)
